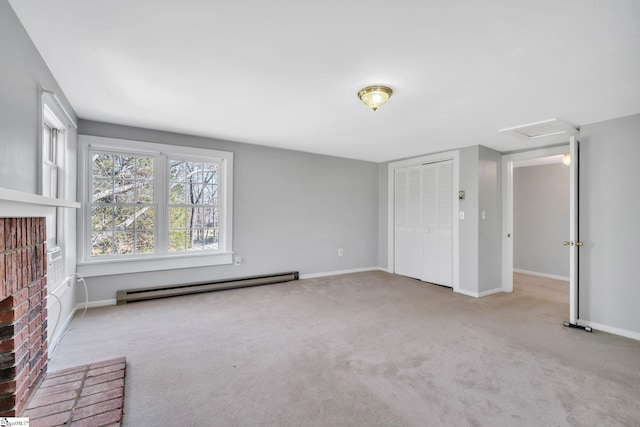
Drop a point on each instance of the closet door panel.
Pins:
(445, 223)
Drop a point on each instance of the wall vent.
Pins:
(543, 129)
(132, 295)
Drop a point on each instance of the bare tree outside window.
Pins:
(193, 205)
(122, 209)
(143, 203)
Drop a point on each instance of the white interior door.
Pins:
(574, 238)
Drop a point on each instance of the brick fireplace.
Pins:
(23, 313)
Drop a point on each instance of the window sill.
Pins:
(140, 265)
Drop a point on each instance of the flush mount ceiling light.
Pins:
(374, 96)
(566, 159)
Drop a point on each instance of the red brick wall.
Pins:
(23, 312)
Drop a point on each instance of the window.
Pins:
(52, 154)
(49, 160)
(153, 206)
(122, 207)
(193, 205)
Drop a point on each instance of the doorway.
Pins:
(509, 163)
(541, 218)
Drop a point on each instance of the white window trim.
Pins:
(53, 116)
(134, 264)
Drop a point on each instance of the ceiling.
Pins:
(286, 73)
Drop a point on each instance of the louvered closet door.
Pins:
(445, 223)
(408, 212)
(437, 223)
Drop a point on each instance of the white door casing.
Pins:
(541, 156)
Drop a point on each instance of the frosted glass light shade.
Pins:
(566, 159)
(374, 96)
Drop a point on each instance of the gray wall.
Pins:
(292, 212)
(22, 72)
(541, 219)
(489, 228)
(609, 208)
(469, 170)
(383, 215)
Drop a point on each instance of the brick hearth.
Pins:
(23, 314)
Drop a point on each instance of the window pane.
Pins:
(145, 242)
(101, 243)
(125, 191)
(196, 239)
(210, 195)
(199, 219)
(177, 218)
(145, 219)
(211, 238)
(101, 218)
(124, 217)
(194, 196)
(177, 241)
(207, 217)
(124, 242)
(124, 167)
(176, 170)
(177, 194)
(103, 190)
(144, 168)
(210, 173)
(102, 165)
(145, 192)
(189, 171)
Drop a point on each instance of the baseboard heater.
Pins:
(132, 295)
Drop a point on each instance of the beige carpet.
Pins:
(366, 349)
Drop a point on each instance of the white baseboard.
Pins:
(479, 294)
(61, 331)
(535, 273)
(610, 329)
(490, 292)
(336, 273)
(468, 293)
(94, 304)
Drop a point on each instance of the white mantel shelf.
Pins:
(12, 200)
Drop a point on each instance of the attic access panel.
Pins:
(543, 129)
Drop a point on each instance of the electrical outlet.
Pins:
(461, 214)
(238, 260)
(340, 252)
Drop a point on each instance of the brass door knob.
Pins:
(579, 244)
(567, 243)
